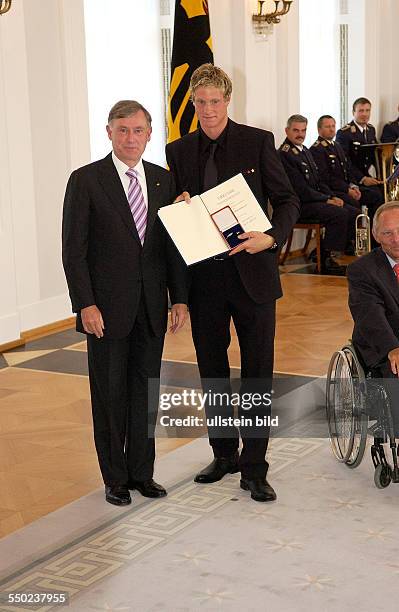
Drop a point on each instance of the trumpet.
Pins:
(363, 235)
(393, 180)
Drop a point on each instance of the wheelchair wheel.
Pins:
(382, 476)
(345, 406)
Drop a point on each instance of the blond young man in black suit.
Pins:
(242, 286)
(118, 280)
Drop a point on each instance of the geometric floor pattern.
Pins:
(329, 543)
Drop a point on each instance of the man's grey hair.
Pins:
(296, 119)
(381, 209)
(127, 108)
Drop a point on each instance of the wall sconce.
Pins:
(263, 23)
(5, 6)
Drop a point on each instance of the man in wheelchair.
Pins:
(374, 304)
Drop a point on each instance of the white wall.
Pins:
(319, 63)
(44, 133)
(381, 59)
(123, 48)
(265, 74)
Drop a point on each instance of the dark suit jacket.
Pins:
(250, 151)
(104, 261)
(303, 173)
(334, 167)
(390, 131)
(351, 139)
(374, 304)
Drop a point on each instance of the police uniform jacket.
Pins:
(303, 173)
(390, 131)
(335, 169)
(351, 139)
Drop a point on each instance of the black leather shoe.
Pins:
(219, 467)
(118, 495)
(329, 266)
(260, 489)
(148, 488)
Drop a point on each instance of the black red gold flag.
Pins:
(192, 46)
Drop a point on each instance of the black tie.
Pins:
(211, 171)
(365, 134)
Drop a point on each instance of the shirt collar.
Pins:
(221, 139)
(360, 127)
(123, 168)
(391, 261)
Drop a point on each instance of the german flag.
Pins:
(192, 46)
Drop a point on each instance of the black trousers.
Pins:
(124, 413)
(217, 296)
(339, 222)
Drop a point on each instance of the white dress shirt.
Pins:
(391, 261)
(122, 168)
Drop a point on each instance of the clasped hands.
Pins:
(253, 242)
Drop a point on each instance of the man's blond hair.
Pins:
(209, 75)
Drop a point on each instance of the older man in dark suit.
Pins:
(374, 303)
(374, 295)
(245, 284)
(119, 264)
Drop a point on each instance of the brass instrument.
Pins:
(385, 154)
(363, 235)
(393, 179)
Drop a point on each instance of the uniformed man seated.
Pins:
(318, 201)
(390, 131)
(336, 170)
(355, 134)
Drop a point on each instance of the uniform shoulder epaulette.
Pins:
(346, 127)
(370, 125)
(285, 148)
(295, 150)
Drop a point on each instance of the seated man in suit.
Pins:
(355, 134)
(390, 131)
(374, 297)
(335, 169)
(317, 200)
(119, 263)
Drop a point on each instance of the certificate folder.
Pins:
(191, 226)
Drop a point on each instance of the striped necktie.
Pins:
(137, 205)
(396, 270)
